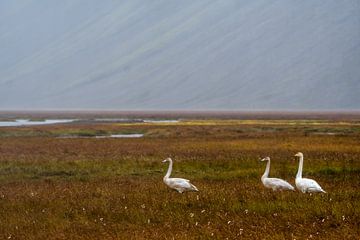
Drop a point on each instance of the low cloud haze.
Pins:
(138, 54)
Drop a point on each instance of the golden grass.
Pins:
(87, 188)
(243, 122)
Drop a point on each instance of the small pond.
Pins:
(27, 122)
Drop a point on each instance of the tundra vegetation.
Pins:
(60, 182)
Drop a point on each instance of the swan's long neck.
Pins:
(267, 170)
(169, 169)
(299, 173)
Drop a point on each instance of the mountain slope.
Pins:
(137, 54)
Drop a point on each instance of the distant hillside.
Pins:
(139, 54)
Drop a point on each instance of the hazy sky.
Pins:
(139, 54)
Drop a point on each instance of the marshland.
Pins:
(112, 188)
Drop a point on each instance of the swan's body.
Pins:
(305, 185)
(274, 183)
(179, 184)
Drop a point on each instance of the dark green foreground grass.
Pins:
(88, 188)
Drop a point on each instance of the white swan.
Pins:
(179, 184)
(274, 183)
(304, 184)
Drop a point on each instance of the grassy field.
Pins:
(54, 185)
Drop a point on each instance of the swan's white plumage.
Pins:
(277, 184)
(306, 185)
(274, 183)
(179, 184)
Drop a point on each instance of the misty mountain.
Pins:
(161, 54)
